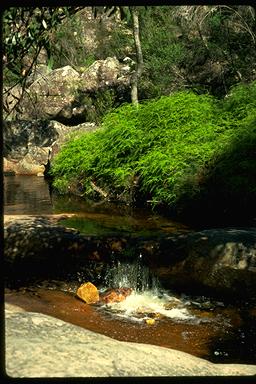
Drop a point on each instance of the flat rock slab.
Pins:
(42, 346)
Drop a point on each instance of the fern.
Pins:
(168, 143)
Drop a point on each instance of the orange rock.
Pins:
(150, 321)
(88, 293)
(115, 295)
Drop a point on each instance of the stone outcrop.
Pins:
(55, 104)
(65, 350)
(220, 262)
(29, 146)
(52, 93)
(59, 94)
(36, 247)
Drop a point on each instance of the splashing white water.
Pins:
(147, 298)
(133, 275)
(141, 305)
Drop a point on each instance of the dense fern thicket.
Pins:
(180, 152)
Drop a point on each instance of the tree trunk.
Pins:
(139, 56)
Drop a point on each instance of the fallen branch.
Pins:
(99, 190)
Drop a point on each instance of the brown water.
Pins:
(28, 195)
(209, 334)
(218, 332)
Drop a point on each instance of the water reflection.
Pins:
(26, 195)
(29, 195)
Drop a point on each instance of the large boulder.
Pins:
(61, 94)
(220, 261)
(104, 73)
(37, 247)
(29, 146)
(54, 91)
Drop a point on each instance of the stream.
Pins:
(214, 330)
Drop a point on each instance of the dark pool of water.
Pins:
(26, 195)
(29, 195)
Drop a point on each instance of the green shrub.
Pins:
(166, 145)
(226, 184)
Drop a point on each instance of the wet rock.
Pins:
(150, 321)
(115, 295)
(202, 314)
(221, 262)
(37, 247)
(88, 293)
(217, 262)
(175, 303)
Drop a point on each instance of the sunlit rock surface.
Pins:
(59, 94)
(88, 293)
(29, 145)
(42, 346)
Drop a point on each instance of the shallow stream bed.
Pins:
(211, 330)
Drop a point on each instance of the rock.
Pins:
(54, 91)
(150, 321)
(88, 293)
(9, 167)
(219, 261)
(63, 95)
(37, 247)
(65, 350)
(10, 98)
(29, 146)
(174, 303)
(60, 94)
(104, 73)
(40, 71)
(32, 165)
(115, 295)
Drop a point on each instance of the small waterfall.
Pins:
(133, 275)
(148, 301)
